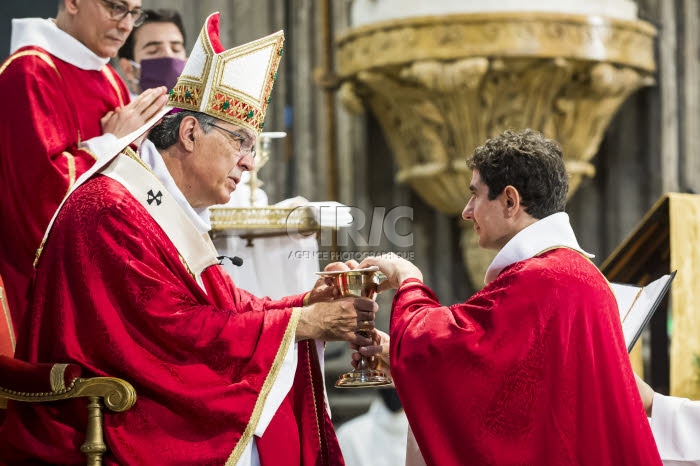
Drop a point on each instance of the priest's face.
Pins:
(103, 25)
(221, 156)
(488, 215)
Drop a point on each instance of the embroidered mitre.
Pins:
(233, 85)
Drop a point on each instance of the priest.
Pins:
(532, 369)
(63, 107)
(128, 284)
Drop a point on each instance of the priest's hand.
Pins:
(396, 269)
(338, 320)
(647, 394)
(127, 119)
(325, 288)
(377, 353)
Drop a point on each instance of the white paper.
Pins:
(636, 303)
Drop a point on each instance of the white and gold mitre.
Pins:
(233, 85)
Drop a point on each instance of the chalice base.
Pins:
(363, 378)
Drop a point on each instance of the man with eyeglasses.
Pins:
(63, 108)
(129, 275)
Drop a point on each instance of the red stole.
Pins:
(532, 370)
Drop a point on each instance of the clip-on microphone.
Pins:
(235, 260)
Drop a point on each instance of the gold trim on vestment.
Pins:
(187, 267)
(112, 80)
(85, 149)
(35, 53)
(313, 391)
(8, 317)
(70, 160)
(288, 339)
(38, 251)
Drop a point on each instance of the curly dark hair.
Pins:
(530, 163)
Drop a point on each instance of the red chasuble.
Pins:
(532, 370)
(112, 295)
(48, 108)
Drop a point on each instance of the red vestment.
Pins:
(531, 370)
(50, 106)
(112, 295)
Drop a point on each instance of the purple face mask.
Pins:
(163, 71)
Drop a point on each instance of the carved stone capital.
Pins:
(440, 86)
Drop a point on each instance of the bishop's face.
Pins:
(221, 156)
(488, 215)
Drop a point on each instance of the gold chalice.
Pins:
(359, 283)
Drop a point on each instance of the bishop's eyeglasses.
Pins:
(240, 143)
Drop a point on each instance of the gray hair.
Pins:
(165, 134)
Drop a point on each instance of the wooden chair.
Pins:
(26, 382)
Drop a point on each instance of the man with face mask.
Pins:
(154, 53)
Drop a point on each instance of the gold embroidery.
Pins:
(186, 95)
(70, 160)
(85, 149)
(187, 267)
(38, 252)
(243, 109)
(313, 391)
(110, 77)
(6, 311)
(34, 53)
(288, 339)
(132, 154)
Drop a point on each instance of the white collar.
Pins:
(44, 33)
(152, 158)
(549, 232)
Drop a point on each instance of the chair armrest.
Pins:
(35, 383)
(21, 376)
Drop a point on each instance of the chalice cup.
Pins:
(360, 284)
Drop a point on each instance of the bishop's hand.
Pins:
(127, 119)
(337, 320)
